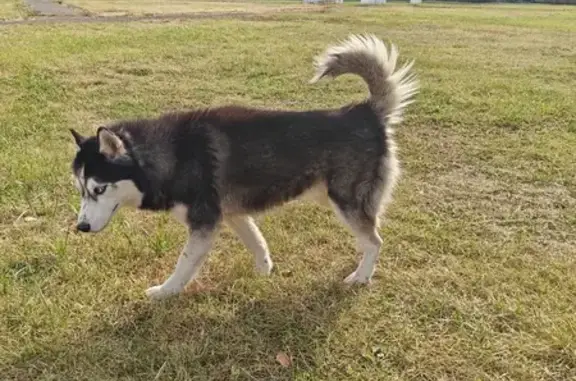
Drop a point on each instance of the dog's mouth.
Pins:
(109, 219)
(105, 225)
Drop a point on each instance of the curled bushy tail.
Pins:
(391, 90)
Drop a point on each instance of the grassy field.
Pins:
(476, 280)
(142, 7)
(12, 9)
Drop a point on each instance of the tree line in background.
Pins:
(513, 1)
(565, 2)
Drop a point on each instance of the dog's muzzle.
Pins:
(83, 227)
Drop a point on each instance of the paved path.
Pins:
(51, 8)
(49, 12)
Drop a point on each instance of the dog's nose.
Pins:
(83, 227)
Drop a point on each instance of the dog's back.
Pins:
(268, 157)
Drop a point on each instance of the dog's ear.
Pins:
(110, 144)
(77, 137)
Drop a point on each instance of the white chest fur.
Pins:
(180, 212)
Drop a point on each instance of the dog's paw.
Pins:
(161, 292)
(356, 278)
(265, 267)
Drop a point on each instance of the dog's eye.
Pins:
(100, 190)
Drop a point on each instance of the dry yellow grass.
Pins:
(12, 9)
(143, 7)
(476, 279)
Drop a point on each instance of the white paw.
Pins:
(161, 292)
(264, 267)
(356, 278)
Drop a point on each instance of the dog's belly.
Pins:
(242, 202)
(317, 193)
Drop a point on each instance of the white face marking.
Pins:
(101, 200)
(79, 180)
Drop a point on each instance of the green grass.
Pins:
(476, 279)
(13, 9)
(146, 7)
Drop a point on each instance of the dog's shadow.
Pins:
(189, 337)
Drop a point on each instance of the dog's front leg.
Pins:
(246, 229)
(188, 266)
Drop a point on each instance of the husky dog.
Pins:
(225, 164)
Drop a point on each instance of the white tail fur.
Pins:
(367, 56)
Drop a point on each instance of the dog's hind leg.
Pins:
(364, 228)
(188, 265)
(247, 230)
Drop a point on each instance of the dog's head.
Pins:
(104, 172)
